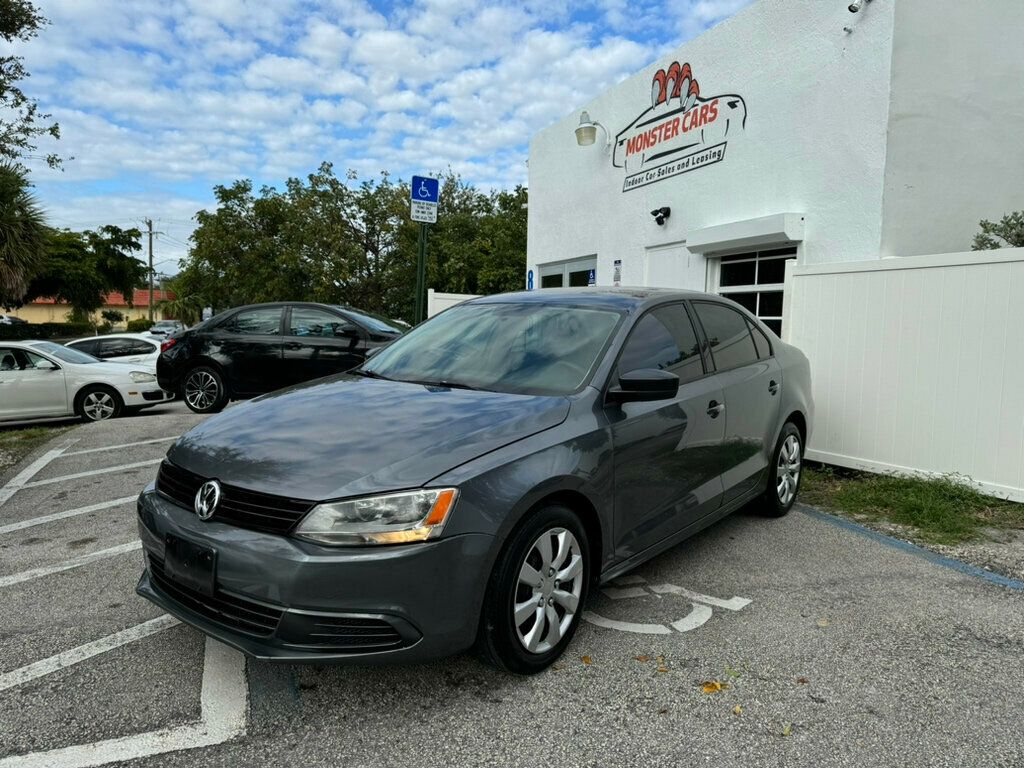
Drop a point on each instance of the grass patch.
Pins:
(16, 444)
(940, 510)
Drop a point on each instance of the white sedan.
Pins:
(139, 348)
(41, 379)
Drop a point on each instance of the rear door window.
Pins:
(262, 321)
(728, 335)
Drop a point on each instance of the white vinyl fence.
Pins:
(917, 363)
(438, 302)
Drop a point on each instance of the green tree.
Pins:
(23, 235)
(81, 267)
(21, 122)
(346, 241)
(1008, 233)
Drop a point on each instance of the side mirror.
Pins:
(644, 385)
(371, 352)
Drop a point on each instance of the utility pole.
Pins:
(149, 229)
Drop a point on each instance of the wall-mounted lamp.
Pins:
(660, 214)
(586, 133)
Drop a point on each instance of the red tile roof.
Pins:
(116, 299)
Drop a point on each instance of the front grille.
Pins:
(246, 509)
(229, 610)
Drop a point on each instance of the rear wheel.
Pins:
(536, 593)
(98, 403)
(784, 473)
(204, 390)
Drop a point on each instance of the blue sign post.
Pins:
(424, 195)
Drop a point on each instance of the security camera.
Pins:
(660, 214)
(855, 6)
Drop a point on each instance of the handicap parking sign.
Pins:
(425, 189)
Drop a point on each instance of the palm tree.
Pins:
(23, 234)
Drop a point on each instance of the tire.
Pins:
(521, 647)
(784, 472)
(98, 403)
(203, 390)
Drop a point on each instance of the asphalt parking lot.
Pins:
(759, 642)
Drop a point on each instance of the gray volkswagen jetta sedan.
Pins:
(468, 485)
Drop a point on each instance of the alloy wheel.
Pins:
(547, 594)
(98, 406)
(201, 390)
(787, 475)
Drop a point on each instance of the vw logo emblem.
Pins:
(207, 499)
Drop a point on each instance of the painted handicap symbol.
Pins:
(635, 586)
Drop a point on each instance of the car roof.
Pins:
(142, 336)
(621, 298)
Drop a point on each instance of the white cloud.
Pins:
(159, 101)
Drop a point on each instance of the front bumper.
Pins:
(278, 598)
(144, 394)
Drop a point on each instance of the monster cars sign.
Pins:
(681, 131)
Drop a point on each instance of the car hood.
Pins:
(111, 368)
(350, 435)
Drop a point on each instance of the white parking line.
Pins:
(103, 471)
(223, 699)
(67, 565)
(18, 482)
(62, 515)
(53, 664)
(122, 445)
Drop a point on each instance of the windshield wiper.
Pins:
(369, 374)
(448, 385)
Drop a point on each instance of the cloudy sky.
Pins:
(159, 100)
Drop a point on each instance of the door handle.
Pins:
(773, 387)
(715, 408)
(293, 345)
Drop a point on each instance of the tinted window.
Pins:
(543, 350)
(265, 321)
(728, 335)
(89, 347)
(140, 347)
(764, 349)
(316, 322)
(113, 348)
(664, 339)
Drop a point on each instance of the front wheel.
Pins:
(98, 403)
(784, 472)
(536, 593)
(204, 390)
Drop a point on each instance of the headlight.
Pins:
(140, 377)
(395, 518)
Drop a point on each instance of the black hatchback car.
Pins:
(256, 349)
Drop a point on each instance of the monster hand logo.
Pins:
(681, 130)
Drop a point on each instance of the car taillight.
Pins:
(165, 345)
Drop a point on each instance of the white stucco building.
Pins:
(795, 129)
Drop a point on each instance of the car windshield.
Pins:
(374, 323)
(67, 354)
(520, 348)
